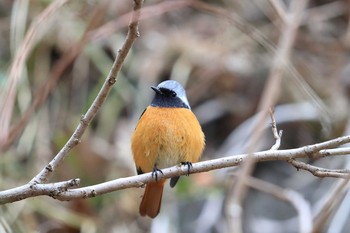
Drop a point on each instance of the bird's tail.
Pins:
(152, 198)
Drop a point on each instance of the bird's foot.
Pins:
(155, 172)
(189, 166)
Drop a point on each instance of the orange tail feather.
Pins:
(151, 201)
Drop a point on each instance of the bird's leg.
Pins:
(155, 172)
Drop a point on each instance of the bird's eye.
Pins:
(173, 94)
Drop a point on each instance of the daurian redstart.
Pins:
(167, 134)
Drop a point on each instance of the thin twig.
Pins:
(334, 151)
(15, 194)
(133, 33)
(277, 135)
(320, 172)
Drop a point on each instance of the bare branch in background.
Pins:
(269, 98)
(280, 8)
(329, 203)
(294, 198)
(147, 12)
(9, 92)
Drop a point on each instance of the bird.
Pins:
(167, 134)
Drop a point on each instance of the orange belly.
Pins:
(165, 137)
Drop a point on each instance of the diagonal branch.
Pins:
(86, 119)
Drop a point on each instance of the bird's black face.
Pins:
(168, 93)
(169, 97)
(165, 92)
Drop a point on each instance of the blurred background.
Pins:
(224, 53)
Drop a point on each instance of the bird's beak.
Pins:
(156, 89)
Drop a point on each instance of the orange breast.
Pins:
(165, 137)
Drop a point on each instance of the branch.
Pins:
(320, 172)
(277, 135)
(33, 190)
(315, 151)
(74, 140)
